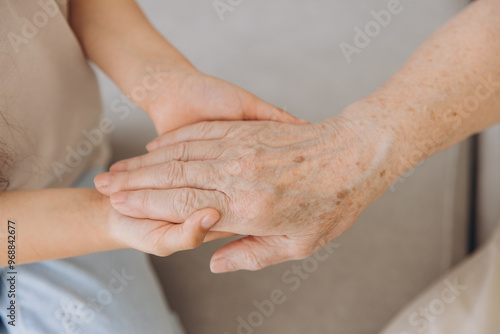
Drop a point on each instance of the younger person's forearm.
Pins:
(117, 36)
(53, 223)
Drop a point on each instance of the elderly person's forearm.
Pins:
(447, 91)
(292, 188)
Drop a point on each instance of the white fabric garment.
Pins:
(464, 301)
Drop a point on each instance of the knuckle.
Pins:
(137, 163)
(169, 172)
(127, 164)
(121, 180)
(184, 201)
(232, 167)
(145, 198)
(180, 151)
(254, 262)
(248, 161)
(202, 200)
(251, 259)
(203, 127)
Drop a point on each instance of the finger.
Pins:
(255, 253)
(188, 235)
(266, 111)
(184, 151)
(173, 174)
(211, 236)
(198, 131)
(174, 205)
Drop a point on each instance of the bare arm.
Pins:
(47, 222)
(447, 91)
(293, 188)
(59, 223)
(117, 36)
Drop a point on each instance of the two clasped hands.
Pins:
(229, 163)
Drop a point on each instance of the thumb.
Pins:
(253, 253)
(191, 233)
(266, 111)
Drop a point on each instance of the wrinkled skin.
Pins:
(178, 98)
(290, 188)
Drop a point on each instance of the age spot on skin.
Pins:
(382, 173)
(299, 159)
(342, 194)
(259, 150)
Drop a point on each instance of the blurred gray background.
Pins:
(288, 53)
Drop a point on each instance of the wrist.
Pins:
(153, 75)
(101, 213)
(388, 133)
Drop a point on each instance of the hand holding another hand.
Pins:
(160, 237)
(291, 188)
(181, 97)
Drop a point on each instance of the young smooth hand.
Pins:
(160, 237)
(185, 96)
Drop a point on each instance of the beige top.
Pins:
(49, 99)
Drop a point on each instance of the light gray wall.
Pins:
(287, 52)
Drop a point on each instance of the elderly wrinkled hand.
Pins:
(290, 188)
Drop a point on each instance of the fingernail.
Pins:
(209, 221)
(119, 198)
(222, 265)
(102, 180)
